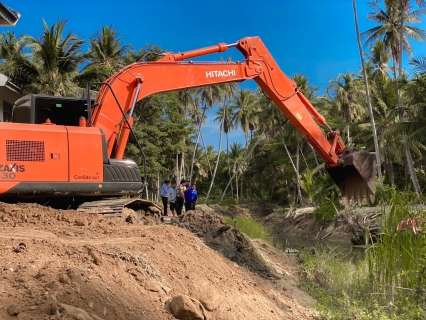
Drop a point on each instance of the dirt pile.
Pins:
(57, 264)
(218, 235)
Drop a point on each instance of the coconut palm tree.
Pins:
(245, 103)
(419, 65)
(200, 165)
(389, 28)
(344, 92)
(379, 59)
(367, 93)
(395, 27)
(236, 157)
(106, 55)
(384, 100)
(15, 62)
(53, 61)
(227, 91)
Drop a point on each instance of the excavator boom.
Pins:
(353, 172)
(67, 147)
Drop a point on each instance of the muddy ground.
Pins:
(57, 264)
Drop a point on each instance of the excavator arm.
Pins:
(354, 172)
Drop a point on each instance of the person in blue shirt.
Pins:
(165, 191)
(191, 197)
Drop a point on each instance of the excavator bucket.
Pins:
(356, 176)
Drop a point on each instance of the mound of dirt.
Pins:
(63, 264)
(230, 242)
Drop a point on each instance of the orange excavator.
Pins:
(59, 147)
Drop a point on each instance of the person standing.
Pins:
(180, 197)
(191, 197)
(173, 199)
(165, 191)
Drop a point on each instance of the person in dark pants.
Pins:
(191, 197)
(172, 199)
(165, 191)
(180, 197)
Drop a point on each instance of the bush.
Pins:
(251, 227)
(327, 210)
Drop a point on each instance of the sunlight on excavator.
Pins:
(45, 149)
(356, 176)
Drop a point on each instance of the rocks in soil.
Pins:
(13, 310)
(207, 296)
(186, 308)
(70, 312)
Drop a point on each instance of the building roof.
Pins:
(5, 82)
(8, 16)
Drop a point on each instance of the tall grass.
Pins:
(251, 227)
(397, 262)
(390, 283)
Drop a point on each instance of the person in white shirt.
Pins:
(165, 191)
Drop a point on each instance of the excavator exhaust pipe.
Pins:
(356, 176)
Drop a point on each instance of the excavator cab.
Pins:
(355, 176)
(37, 108)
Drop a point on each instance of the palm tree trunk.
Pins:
(196, 144)
(236, 171)
(182, 166)
(229, 167)
(408, 156)
(316, 158)
(248, 190)
(217, 163)
(241, 189)
(348, 134)
(177, 168)
(236, 186)
(298, 190)
(303, 156)
(207, 156)
(367, 91)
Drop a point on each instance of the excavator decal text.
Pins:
(12, 167)
(8, 171)
(218, 73)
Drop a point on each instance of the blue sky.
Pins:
(314, 38)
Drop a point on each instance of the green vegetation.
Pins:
(250, 226)
(282, 166)
(389, 283)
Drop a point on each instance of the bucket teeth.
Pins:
(356, 176)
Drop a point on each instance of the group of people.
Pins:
(177, 196)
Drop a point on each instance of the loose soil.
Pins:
(63, 264)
